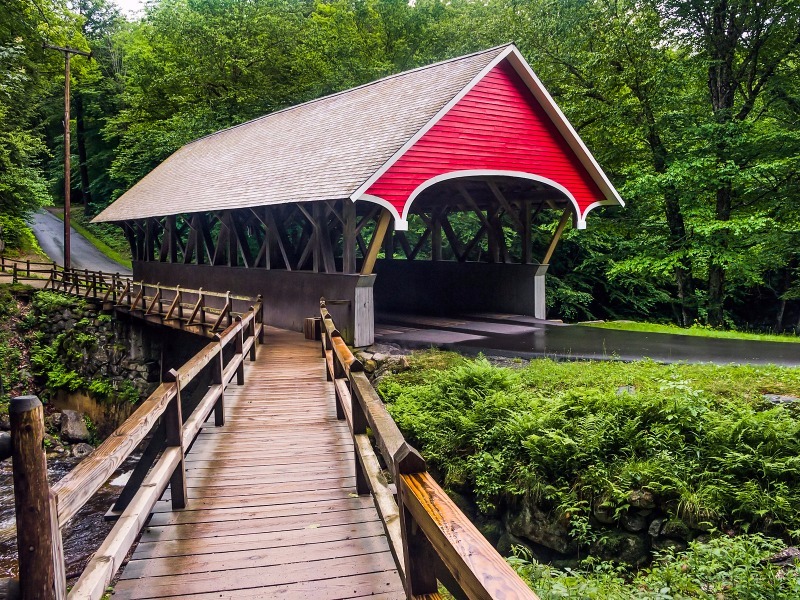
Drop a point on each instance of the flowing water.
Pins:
(82, 535)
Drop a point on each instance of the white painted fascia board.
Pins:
(571, 136)
(435, 119)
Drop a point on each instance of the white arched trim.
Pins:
(400, 223)
(580, 218)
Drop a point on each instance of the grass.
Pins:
(696, 330)
(100, 236)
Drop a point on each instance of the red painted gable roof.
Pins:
(497, 126)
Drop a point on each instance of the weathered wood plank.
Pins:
(266, 576)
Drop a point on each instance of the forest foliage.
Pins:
(691, 106)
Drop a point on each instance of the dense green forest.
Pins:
(691, 106)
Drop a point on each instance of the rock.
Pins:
(69, 324)
(493, 530)
(82, 450)
(604, 512)
(464, 504)
(655, 527)
(54, 421)
(53, 444)
(779, 399)
(621, 547)
(364, 356)
(547, 529)
(641, 499)
(370, 366)
(73, 428)
(626, 389)
(668, 545)
(379, 357)
(633, 521)
(785, 557)
(506, 543)
(676, 529)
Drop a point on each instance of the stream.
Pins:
(82, 535)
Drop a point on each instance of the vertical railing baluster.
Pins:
(173, 420)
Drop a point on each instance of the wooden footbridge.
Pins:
(273, 470)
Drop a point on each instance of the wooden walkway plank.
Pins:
(272, 510)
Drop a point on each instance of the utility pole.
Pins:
(67, 53)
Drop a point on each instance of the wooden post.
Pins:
(251, 333)
(173, 422)
(14, 274)
(239, 352)
(27, 268)
(359, 428)
(527, 224)
(436, 236)
(217, 370)
(31, 499)
(419, 555)
(376, 242)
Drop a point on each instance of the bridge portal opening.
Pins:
(475, 244)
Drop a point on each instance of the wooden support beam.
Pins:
(436, 235)
(286, 250)
(376, 242)
(241, 240)
(527, 233)
(349, 236)
(565, 218)
(506, 205)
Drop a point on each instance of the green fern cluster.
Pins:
(701, 438)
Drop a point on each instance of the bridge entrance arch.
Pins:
(474, 244)
(421, 191)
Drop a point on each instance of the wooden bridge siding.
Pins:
(272, 510)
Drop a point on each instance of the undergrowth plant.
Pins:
(723, 568)
(701, 438)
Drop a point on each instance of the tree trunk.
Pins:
(86, 197)
(716, 269)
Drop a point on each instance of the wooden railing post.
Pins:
(359, 427)
(37, 528)
(251, 333)
(239, 352)
(260, 301)
(217, 370)
(14, 274)
(27, 268)
(173, 422)
(418, 552)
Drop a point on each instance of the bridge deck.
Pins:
(272, 509)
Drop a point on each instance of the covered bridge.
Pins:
(316, 199)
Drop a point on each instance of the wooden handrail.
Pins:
(70, 494)
(423, 525)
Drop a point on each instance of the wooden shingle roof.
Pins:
(324, 149)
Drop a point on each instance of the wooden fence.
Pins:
(43, 511)
(430, 538)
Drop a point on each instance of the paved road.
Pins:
(516, 335)
(49, 230)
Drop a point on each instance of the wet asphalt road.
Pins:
(516, 335)
(49, 230)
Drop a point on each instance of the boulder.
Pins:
(603, 511)
(668, 545)
(676, 529)
(620, 547)
(507, 542)
(633, 521)
(641, 499)
(493, 530)
(82, 450)
(655, 527)
(546, 529)
(73, 428)
(53, 421)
